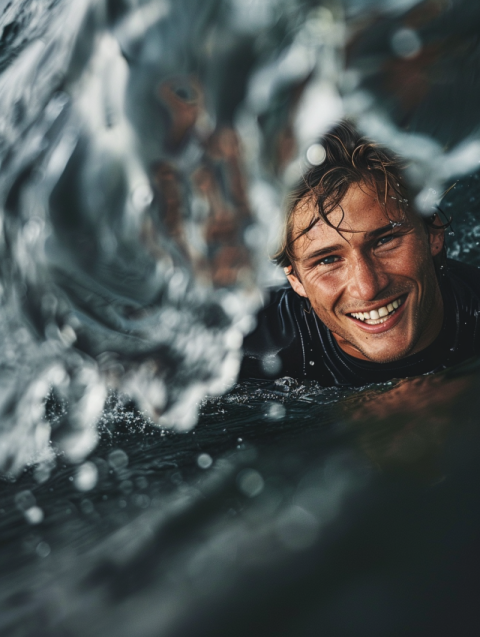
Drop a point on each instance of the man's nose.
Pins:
(366, 279)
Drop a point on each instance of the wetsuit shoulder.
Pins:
(468, 274)
(464, 282)
(274, 349)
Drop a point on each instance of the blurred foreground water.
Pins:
(145, 151)
(288, 510)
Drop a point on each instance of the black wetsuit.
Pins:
(290, 340)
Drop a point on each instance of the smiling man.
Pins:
(372, 296)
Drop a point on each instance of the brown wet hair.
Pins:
(350, 158)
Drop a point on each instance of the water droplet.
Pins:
(43, 549)
(316, 154)
(204, 461)
(87, 507)
(86, 477)
(141, 500)
(297, 528)
(142, 196)
(126, 486)
(34, 515)
(271, 364)
(118, 460)
(141, 482)
(250, 482)
(276, 411)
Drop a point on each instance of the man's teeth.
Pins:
(380, 315)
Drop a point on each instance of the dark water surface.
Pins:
(344, 513)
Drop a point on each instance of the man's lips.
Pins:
(395, 309)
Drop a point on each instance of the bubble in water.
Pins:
(43, 549)
(34, 515)
(142, 196)
(118, 460)
(276, 411)
(141, 482)
(87, 507)
(296, 528)
(86, 476)
(126, 486)
(250, 482)
(25, 500)
(204, 461)
(141, 500)
(271, 364)
(406, 43)
(316, 154)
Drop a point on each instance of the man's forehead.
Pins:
(359, 212)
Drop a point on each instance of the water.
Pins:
(350, 512)
(145, 150)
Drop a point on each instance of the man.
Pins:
(372, 296)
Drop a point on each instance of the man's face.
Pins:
(374, 284)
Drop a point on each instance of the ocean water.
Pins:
(146, 149)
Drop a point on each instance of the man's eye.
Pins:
(328, 260)
(383, 240)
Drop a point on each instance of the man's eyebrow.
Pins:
(379, 231)
(322, 251)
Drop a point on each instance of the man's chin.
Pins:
(390, 355)
(381, 348)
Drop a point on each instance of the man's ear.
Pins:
(295, 281)
(436, 238)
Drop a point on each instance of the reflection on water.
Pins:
(407, 427)
(146, 148)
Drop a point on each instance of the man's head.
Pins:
(358, 251)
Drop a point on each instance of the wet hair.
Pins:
(350, 159)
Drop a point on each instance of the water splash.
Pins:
(146, 148)
(141, 188)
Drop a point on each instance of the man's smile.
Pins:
(380, 319)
